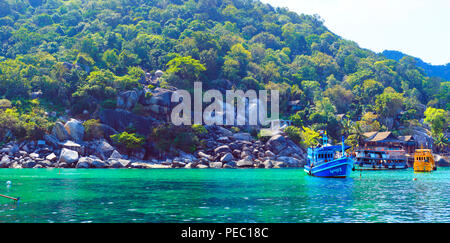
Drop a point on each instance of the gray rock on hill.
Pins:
(75, 129)
(60, 132)
(277, 143)
(127, 100)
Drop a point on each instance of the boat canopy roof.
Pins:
(331, 148)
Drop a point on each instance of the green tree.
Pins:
(437, 119)
(389, 103)
(182, 72)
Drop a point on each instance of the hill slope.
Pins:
(442, 71)
(81, 54)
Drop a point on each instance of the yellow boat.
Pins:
(424, 161)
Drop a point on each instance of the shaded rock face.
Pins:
(118, 163)
(51, 140)
(96, 163)
(442, 161)
(105, 149)
(159, 102)
(127, 100)
(84, 162)
(115, 155)
(60, 132)
(277, 143)
(243, 136)
(121, 119)
(159, 96)
(75, 129)
(104, 131)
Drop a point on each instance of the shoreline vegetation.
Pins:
(88, 84)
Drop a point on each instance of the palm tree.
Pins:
(357, 133)
(346, 125)
(440, 140)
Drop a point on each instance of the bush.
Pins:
(91, 129)
(186, 141)
(175, 137)
(128, 141)
(5, 103)
(29, 126)
(235, 129)
(294, 133)
(199, 129)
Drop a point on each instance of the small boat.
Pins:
(329, 160)
(424, 161)
(380, 159)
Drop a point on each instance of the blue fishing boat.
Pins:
(328, 160)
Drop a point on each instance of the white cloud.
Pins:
(416, 27)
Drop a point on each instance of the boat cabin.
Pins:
(325, 154)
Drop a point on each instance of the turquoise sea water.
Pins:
(227, 195)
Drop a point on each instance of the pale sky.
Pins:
(420, 28)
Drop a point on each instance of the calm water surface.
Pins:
(228, 195)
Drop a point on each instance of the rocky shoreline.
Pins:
(222, 148)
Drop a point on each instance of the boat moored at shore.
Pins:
(424, 161)
(380, 159)
(329, 161)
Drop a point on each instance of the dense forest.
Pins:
(442, 71)
(78, 55)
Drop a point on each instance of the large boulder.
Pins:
(224, 132)
(127, 100)
(216, 165)
(104, 149)
(29, 164)
(244, 163)
(75, 129)
(84, 162)
(120, 119)
(96, 163)
(5, 162)
(222, 149)
(68, 156)
(277, 143)
(442, 161)
(115, 155)
(227, 158)
(242, 136)
(159, 96)
(291, 161)
(51, 157)
(52, 140)
(159, 73)
(60, 132)
(72, 146)
(118, 163)
(102, 131)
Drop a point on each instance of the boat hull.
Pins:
(339, 168)
(380, 167)
(420, 166)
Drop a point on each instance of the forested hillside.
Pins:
(82, 54)
(442, 71)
